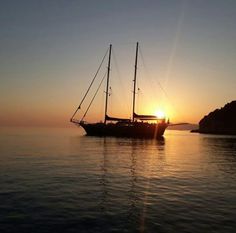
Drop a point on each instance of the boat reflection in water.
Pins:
(123, 190)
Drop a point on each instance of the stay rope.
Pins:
(94, 96)
(90, 85)
(159, 84)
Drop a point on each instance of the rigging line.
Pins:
(145, 67)
(138, 99)
(165, 93)
(158, 82)
(94, 96)
(115, 62)
(152, 85)
(90, 85)
(119, 76)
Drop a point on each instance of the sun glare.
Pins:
(160, 114)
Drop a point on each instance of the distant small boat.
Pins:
(140, 126)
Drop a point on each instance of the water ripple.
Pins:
(57, 181)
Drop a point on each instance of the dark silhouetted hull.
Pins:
(133, 130)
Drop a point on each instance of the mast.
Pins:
(135, 77)
(108, 77)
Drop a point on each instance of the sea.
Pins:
(59, 180)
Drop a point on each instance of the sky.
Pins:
(50, 51)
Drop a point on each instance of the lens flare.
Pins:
(160, 114)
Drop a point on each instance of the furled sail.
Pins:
(146, 117)
(108, 118)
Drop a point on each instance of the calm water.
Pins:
(56, 180)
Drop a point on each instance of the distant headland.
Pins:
(220, 121)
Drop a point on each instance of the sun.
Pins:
(160, 114)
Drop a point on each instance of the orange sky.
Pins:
(50, 52)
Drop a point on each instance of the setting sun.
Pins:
(160, 114)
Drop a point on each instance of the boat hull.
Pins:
(133, 130)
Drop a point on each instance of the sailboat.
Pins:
(140, 126)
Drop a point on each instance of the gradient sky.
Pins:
(50, 50)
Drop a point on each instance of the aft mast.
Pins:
(107, 88)
(135, 77)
